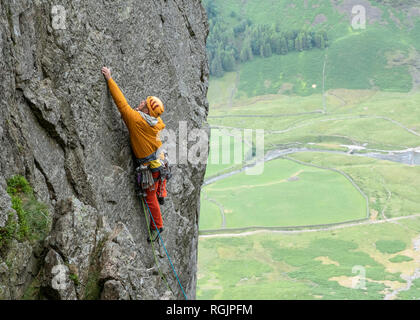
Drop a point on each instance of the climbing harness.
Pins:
(146, 159)
(144, 174)
(166, 251)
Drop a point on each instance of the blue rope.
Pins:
(176, 275)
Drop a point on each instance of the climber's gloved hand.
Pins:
(106, 72)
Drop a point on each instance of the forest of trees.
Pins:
(227, 46)
(399, 3)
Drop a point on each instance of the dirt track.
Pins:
(335, 227)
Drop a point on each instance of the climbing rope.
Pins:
(154, 255)
(166, 251)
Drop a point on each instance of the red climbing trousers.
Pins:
(159, 190)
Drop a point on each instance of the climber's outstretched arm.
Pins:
(118, 96)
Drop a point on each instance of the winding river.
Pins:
(409, 157)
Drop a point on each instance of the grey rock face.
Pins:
(5, 207)
(88, 259)
(60, 129)
(113, 290)
(16, 270)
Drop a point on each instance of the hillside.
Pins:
(383, 55)
(335, 212)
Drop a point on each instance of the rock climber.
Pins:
(144, 124)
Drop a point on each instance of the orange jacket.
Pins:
(144, 138)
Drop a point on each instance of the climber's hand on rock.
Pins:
(106, 72)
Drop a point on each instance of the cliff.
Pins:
(60, 129)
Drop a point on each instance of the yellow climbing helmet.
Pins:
(155, 106)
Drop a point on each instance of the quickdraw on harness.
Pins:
(145, 178)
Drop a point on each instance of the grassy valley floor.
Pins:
(327, 219)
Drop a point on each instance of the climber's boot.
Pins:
(154, 235)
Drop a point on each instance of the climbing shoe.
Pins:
(161, 201)
(154, 235)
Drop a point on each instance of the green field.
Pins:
(275, 269)
(311, 265)
(212, 218)
(369, 101)
(392, 188)
(319, 196)
(373, 119)
(286, 194)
